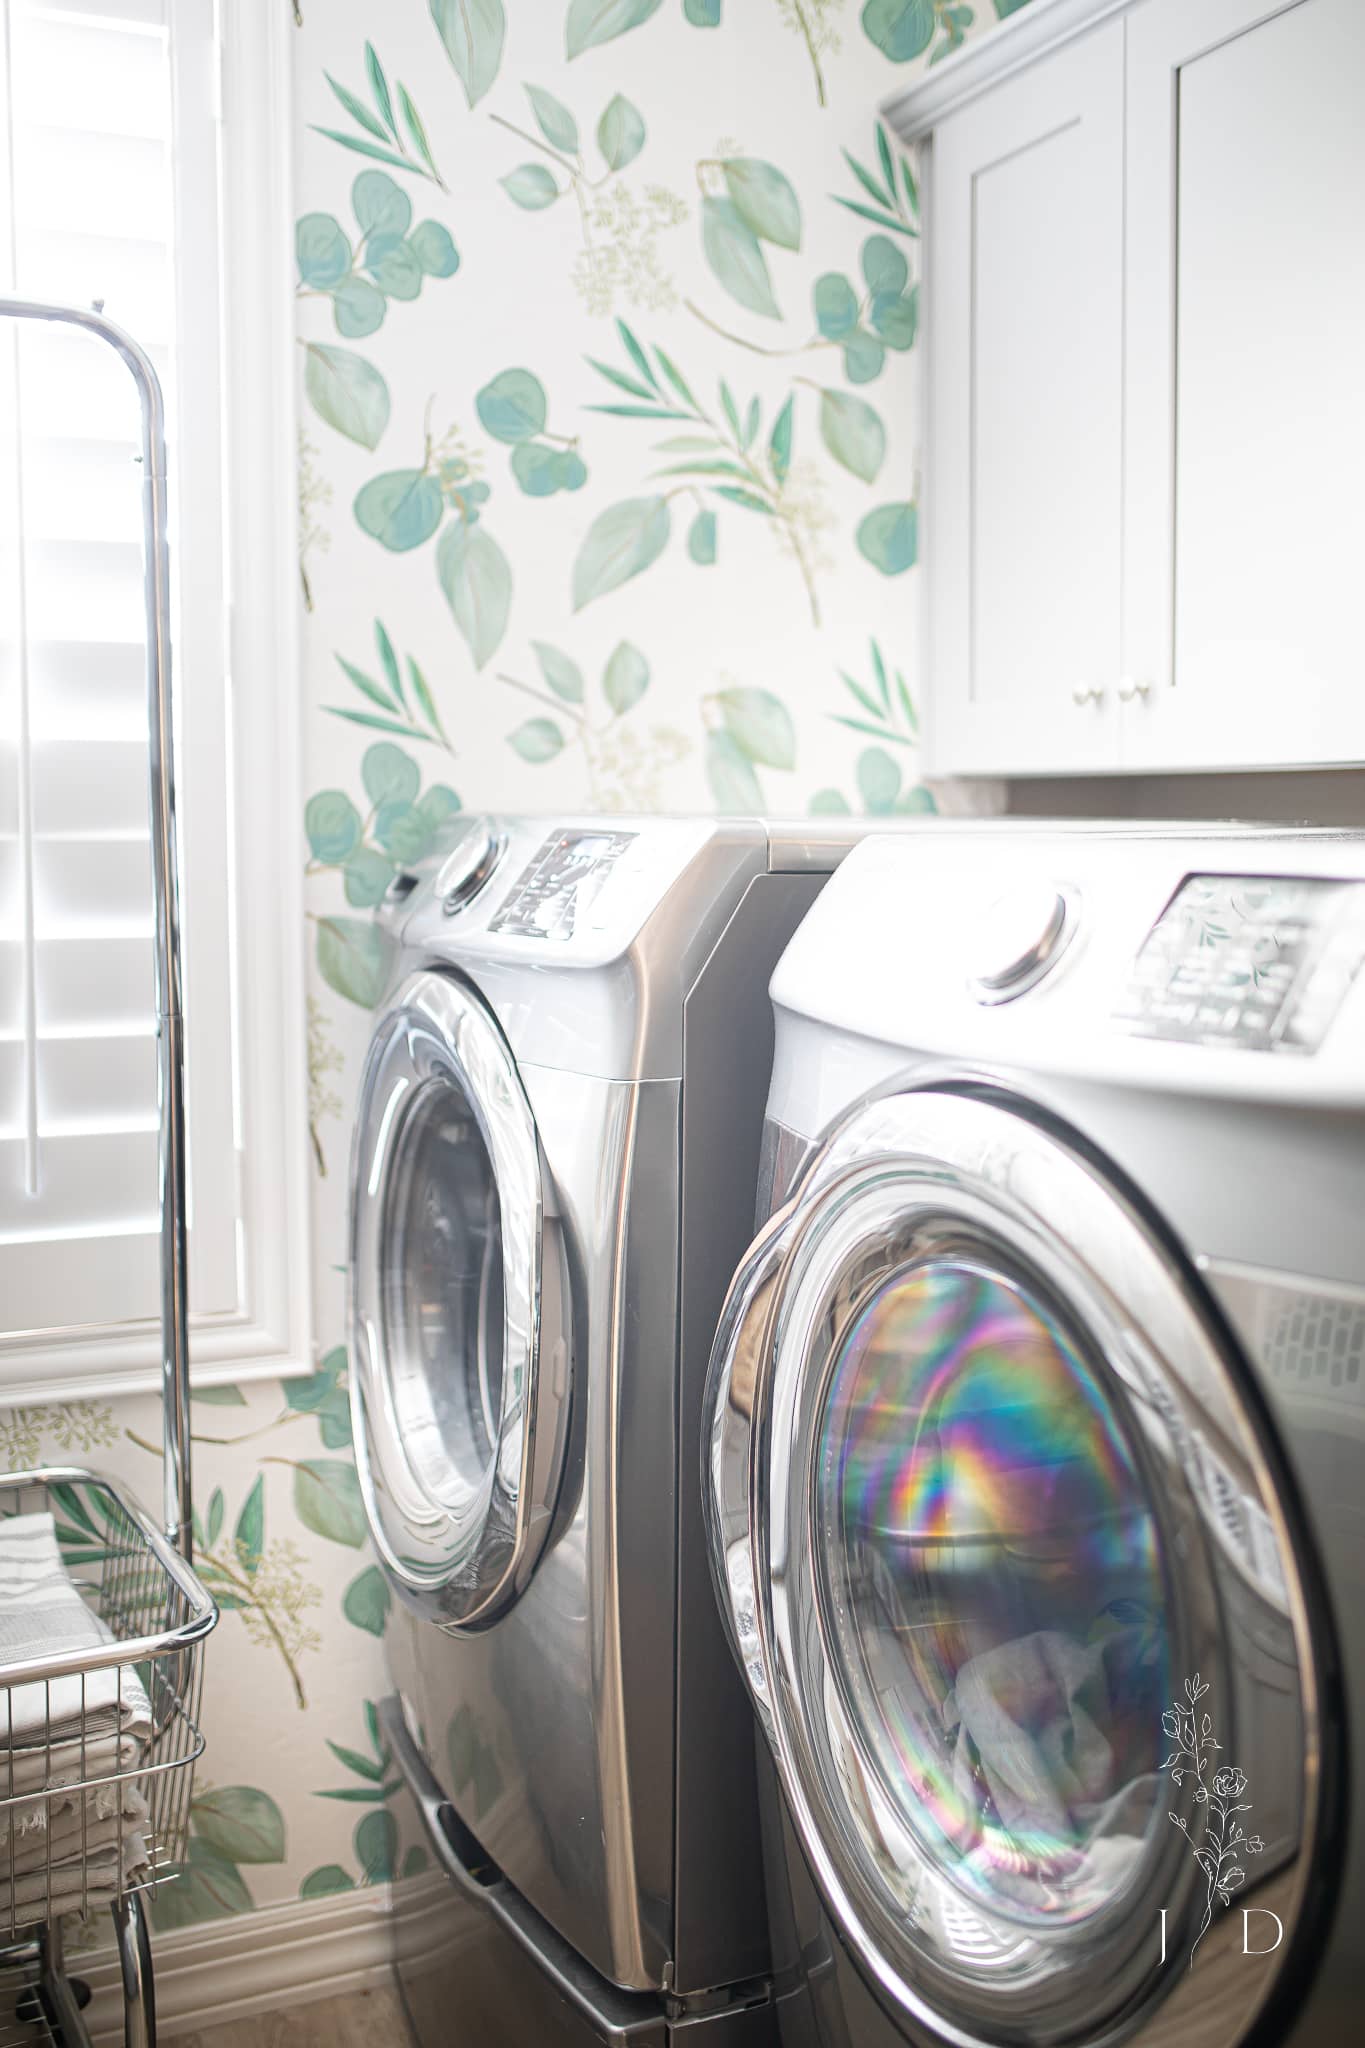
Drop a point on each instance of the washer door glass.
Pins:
(442, 1301)
(459, 1314)
(993, 1585)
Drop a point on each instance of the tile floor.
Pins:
(362, 2019)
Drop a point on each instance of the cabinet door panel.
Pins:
(1025, 292)
(1246, 422)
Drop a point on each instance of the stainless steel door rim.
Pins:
(927, 1189)
(459, 1311)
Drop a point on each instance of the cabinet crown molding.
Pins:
(1021, 39)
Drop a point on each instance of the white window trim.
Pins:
(269, 1335)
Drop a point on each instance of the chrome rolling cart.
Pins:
(102, 1619)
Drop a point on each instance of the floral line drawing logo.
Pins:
(1224, 1838)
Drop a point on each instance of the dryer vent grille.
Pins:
(1308, 1337)
(1316, 1339)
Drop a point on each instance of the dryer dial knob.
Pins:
(469, 868)
(1022, 936)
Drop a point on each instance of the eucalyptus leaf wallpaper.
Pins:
(606, 320)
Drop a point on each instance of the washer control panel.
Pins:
(563, 877)
(1257, 962)
(1020, 938)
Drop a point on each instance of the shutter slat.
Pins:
(139, 13)
(90, 787)
(92, 219)
(82, 986)
(93, 888)
(96, 1085)
(83, 490)
(112, 186)
(11, 989)
(97, 688)
(88, 1184)
(86, 590)
(104, 80)
(133, 278)
(99, 1280)
(74, 385)
(12, 1058)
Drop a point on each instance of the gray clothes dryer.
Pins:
(552, 1180)
(1035, 1445)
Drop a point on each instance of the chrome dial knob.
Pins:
(469, 867)
(1019, 939)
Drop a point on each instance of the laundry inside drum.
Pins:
(993, 1586)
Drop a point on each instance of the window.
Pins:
(121, 182)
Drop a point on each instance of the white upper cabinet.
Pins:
(1244, 515)
(1025, 446)
(1145, 289)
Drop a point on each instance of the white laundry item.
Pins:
(74, 1834)
(59, 1768)
(1025, 1705)
(66, 1731)
(117, 1863)
(1025, 1719)
(88, 1822)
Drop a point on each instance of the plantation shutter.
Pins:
(107, 193)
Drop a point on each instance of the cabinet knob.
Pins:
(1092, 695)
(1129, 690)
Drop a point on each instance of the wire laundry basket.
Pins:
(96, 1743)
(100, 1720)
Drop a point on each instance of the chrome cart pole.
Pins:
(175, 1357)
(135, 1967)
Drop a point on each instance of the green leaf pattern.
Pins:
(347, 392)
(512, 407)
(473, 32)
(593, 591)
(599, 21)
(880, 707)
(374, 132)
(385, 260)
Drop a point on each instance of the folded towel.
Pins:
(63, 1846)
(73, 1825)
(69, 1728)
(76, 1883)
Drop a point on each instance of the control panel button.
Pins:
(469, 868)
(1020, 938)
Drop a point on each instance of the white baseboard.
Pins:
(280, 1956)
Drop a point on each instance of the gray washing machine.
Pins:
(552, 1181)
(1035, 1445)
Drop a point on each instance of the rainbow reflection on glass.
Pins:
(993, 1580)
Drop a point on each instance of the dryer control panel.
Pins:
(1257, 962)
(559, 882)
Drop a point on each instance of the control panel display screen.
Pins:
(549, 897)
(1258, 962)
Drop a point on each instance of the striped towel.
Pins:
(57, 1733)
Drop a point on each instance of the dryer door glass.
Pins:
(1013, 1576)
(993, 1586)
(459, 1315)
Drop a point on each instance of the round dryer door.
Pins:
(458, 1314)
(1007, 1557)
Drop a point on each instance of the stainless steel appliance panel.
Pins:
(720, 1919)
(553, 1728)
